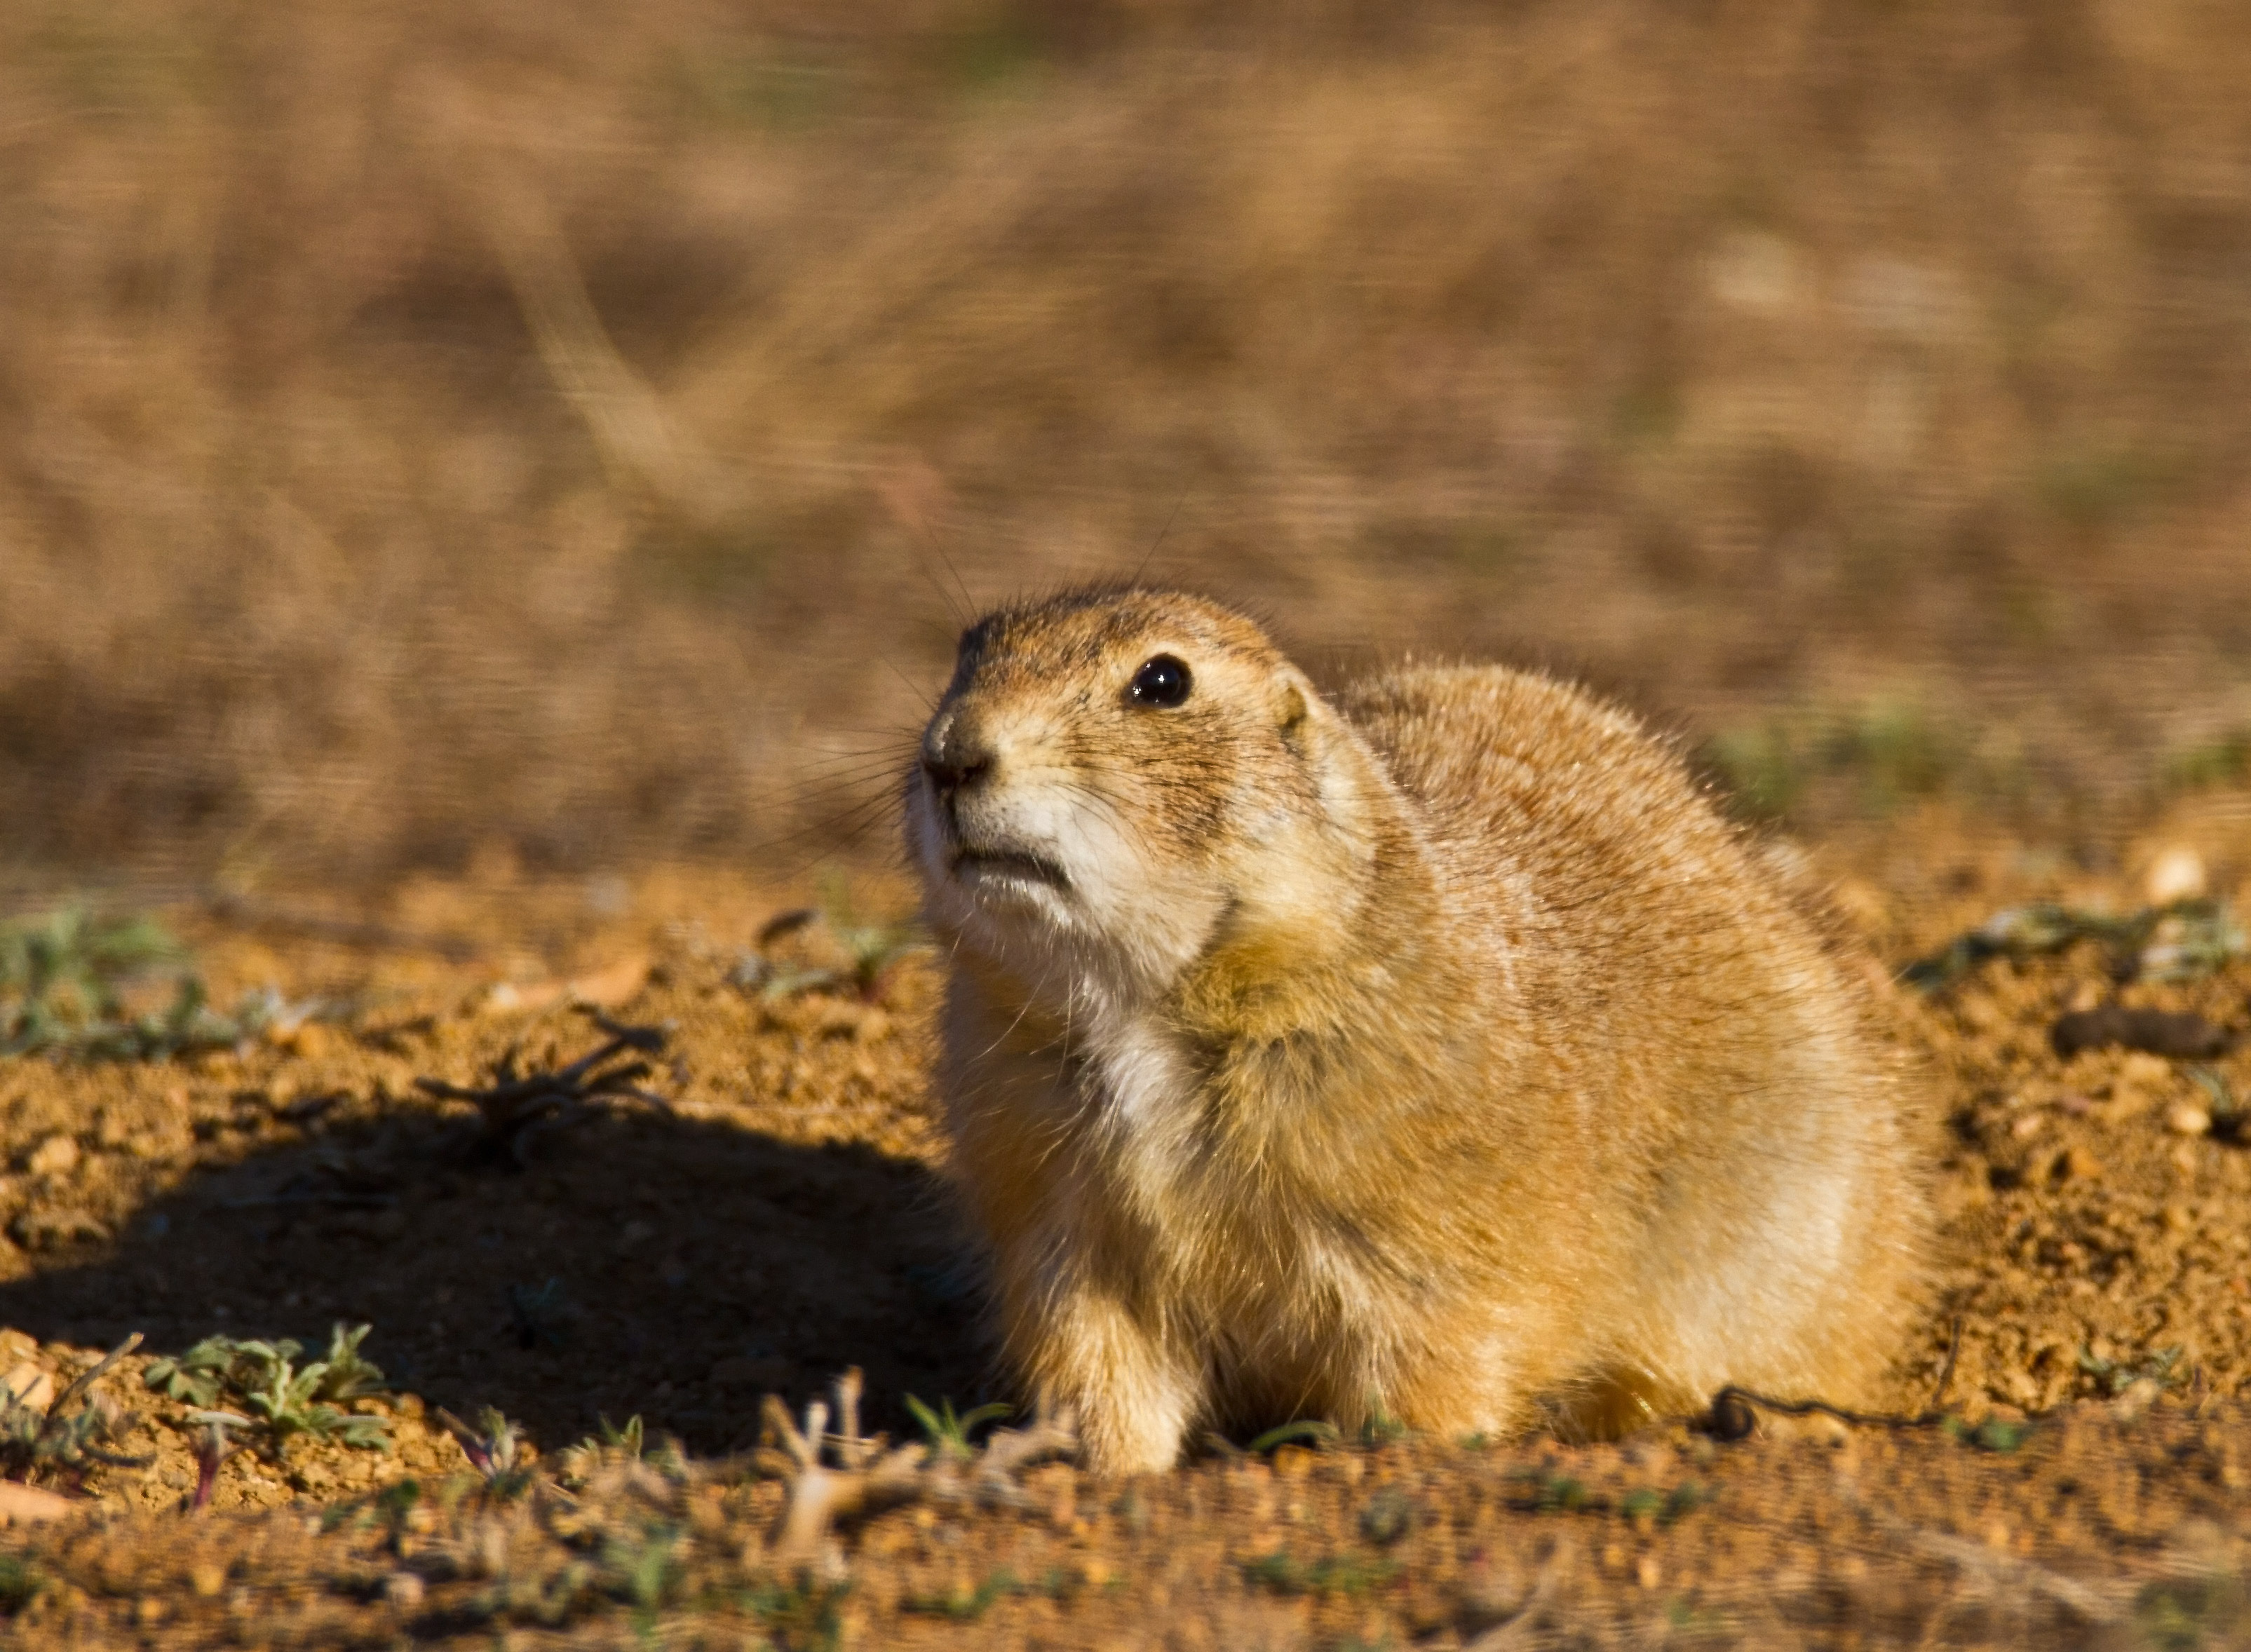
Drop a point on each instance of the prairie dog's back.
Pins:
(1674, 988)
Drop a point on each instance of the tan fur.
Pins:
(1435, 1051)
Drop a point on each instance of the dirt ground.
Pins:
(779, 1216)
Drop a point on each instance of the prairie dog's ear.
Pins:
(1294, 702)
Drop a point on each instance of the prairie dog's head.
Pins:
(1112, 776)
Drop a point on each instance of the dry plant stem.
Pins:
(819, 1495)
(1994, 1572)
(873, 1475)
(86, 1379)
(1521, 1628)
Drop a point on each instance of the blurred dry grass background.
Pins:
(422, 424)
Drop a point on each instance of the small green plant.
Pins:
(625, 1440)
(1333, 1574)
(642, 1567)
(2160, 1366)
(283, 1401)
(62, 977)
(871, 949)
(492, 1448)
(21, 1583)
(962, 1603)
(1543, 1491)
(949, 1435)
(2182, 1615)
(2226, 761)
(580, 1463)
(800, 1615)
(1647, 1503)
(2176, 942)
(56, 1440)
(1310, 1431)
(1381, 1428)
(1999, 1434)
(1388, 1515)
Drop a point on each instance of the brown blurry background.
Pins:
(571, 426)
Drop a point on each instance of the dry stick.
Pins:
(86, 1379)
(1930, 1416)
(874, 1474)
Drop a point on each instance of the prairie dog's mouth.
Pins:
(979, 866)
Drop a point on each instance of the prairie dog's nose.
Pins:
(955, 755)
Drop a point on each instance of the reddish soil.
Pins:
(782, 1216)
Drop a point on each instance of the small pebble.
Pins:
(2077, 1164)
(2188, 1119)
(2137, 1399)
(57, 1156)
(403, 1590)
(2178, 874)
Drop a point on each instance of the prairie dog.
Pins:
(1435, 1050)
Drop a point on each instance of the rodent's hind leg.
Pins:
(1609, 1403)
(1135, 1398)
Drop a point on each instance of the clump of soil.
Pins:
(771, 1211)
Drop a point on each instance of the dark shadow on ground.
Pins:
(694, 1265)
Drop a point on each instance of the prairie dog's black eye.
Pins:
(1162, 682)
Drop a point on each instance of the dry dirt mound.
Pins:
(752, 1202)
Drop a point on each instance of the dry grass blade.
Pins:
(518, 1109)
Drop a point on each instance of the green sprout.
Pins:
(872, 948)
(2176, 942)
(492, 1448)
(2159, 1365)
(948, 1433)
(282, 1399)
(962, 1603)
